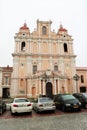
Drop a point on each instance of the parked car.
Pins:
(20, 105)
(82, 97)
(67, 102)
(44, 104)
(2, 106)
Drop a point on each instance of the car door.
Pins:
(58, 102)
(80, 98)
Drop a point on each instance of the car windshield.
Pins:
(85, 94)
(68, 97)
(45, 100)
(21, 100)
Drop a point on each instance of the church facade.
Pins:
(43, 61)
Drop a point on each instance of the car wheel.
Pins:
(86, 106)
(63, 109)
(30, 113)
(36, 110)
(1, 112)
(53, 111)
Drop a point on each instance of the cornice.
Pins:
(42, 55)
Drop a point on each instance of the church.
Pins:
(44, 62)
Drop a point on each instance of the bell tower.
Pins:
(44, 27)
(20, 61)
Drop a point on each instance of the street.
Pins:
(45, 121)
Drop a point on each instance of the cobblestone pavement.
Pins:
(63, 121)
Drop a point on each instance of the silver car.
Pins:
(44, 104)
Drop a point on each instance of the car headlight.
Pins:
(80, 103)
(68, 104)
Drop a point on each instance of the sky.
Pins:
(72, 14)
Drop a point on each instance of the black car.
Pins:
(67, 102)
(2, 106)
(82, 97)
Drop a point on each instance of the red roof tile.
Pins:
(24, 27)
(62, 29)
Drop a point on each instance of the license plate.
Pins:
(47, 104)
(75, 106)
(22, 105)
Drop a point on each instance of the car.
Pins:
(67, 102)
(20, 105)
(2, 106)
(82, 97)
(44, 104)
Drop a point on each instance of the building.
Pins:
(6, 75)
(5, 86)
(43, 64)
(82, 81)
(43, 61)
(0, 82)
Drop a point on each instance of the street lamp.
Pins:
(26, 86)
(76, 78)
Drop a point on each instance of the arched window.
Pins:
(44, 30)
(23, 46)
(65, 47)
(82, 79)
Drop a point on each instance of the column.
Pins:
(65, 85)
(57, 86)
(29, 66)
(59, 89)
(51, 65)
(39, 47)
(54, 86)
(29, 87)
(39, 66)
(37, 87)
(44, 88)
(30, 47)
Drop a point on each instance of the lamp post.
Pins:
(76, 78)
(26, 86)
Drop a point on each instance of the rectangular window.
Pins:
(55, 68)
(6, 80)
(82, 79)
(34, 69)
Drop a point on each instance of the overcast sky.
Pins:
(71, 13)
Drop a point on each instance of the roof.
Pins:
(81, 68)
(62, 29)
(8, 68)
(24, 27)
